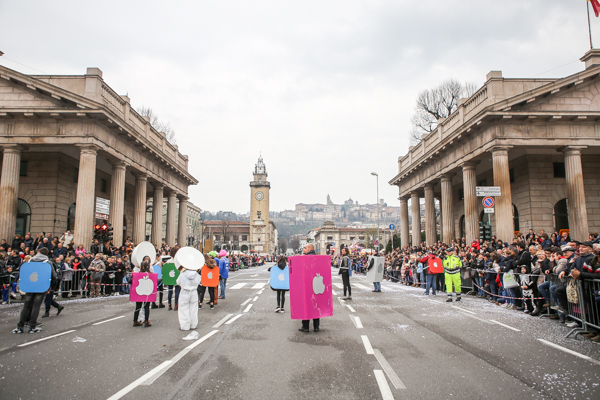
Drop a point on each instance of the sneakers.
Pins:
(457, 298)
(449, 300)
(278, 309)
(212, 307)
(573, 324)
(4, 302)
(60, 308)
(13, 295)
(199, 306)
(35, 329)
(17, 330)
(281, 311)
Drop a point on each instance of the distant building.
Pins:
(329, 238)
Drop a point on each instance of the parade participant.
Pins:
(223, 272)
(309, 250)
(346, 272)
(452, 265)
(33, 301)
(188, 281)
(144, 267)
(177, 288)
(158, 263)
(282, 266)
(372, 262)
(210, 280)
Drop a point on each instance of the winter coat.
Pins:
(224, 268)
(67, 272)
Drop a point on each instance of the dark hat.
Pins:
(567, 248)
(88, 252)
(587, 243)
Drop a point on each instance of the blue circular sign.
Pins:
(488, 202)
(392, 227)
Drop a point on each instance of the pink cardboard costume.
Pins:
(310, 287)
(143, 287)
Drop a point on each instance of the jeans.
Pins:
(479, 281)
(493, 288)
(31, 309)
(222, 283)
(431, 283)
(544, 289)
(5, 289)
(553, 293)
(49, 301)
(170, 294)
(510, 293)
(422, 276)
(377, 286)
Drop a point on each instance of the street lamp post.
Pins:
(378, 212)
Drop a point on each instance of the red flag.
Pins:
(595, 6)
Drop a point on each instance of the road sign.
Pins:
(102, 208)
(488, 202)
(488, 210)
(376, 242)
(483, 191)
(392, 227)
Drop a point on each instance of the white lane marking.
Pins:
(168, 364)
(506, 326)
(334, 292)
(353, 320)
(342, 302)
(338, 285)
(358, 323)
(46, 338)
(108, 320)
(462, 309)
(367, 343)
(389, 370)
(232, 320)
(218, 324)
(361, 286)
(576, 354)
(248, 308)
(252, 276)
(478, 319)
(259, 286)
(256, 298)
(238, 286)
(384, 388)
(158, 370)
(350, 308)
(247, 301)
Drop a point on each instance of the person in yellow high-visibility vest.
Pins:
(452, 266)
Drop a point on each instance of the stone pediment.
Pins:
(17, 96)
(580, 98)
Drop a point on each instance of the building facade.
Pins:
(76, 153)
(192, 222)
(330, 238)
(263, 233)
(535, 139)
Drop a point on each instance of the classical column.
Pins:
(404, 221)
(182, 224)
(85, 210)
(447, 210)
(430, 225)
(578, 221)
(505, 227)
(139, 209)
(117, 201)
(9, 192)
(157, 215)
(171, 222)
(471, 217)
(415, 208)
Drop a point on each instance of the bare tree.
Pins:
(294, 243)
(282, 243)
(225, 231)
(434, 104)
(157, 124)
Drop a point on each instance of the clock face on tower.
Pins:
(259, 196)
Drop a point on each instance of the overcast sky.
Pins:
(324, 89)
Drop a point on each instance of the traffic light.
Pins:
(97, 232)
(485, 232)
(109, 233)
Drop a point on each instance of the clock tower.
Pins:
(260, 229)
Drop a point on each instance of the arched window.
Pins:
(148, 222)
(23, 218)
(516, 218)
(71, 218)
(462, 227)
(244, 248)
(561, 215)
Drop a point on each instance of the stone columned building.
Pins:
(76, 153)
(536, 139)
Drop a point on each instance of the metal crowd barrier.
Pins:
(585, 310)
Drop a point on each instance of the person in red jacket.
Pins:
(432, 266)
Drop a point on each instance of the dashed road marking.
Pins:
(353, 320)
(350, 308)
(221, 322)
(384, 388)
(506, 326)
(358, 323)
(358, 285)
(389, 370)
(341, 301)
(232, 320)
(259, 286)
(254, 275)
(462, 309)
(247, 301)
(248, 308)
(367, 344)
(238, 286)
(108, 320)
(256, 298)
(576, 354)
(46, 338)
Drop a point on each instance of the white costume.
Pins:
(188, 299)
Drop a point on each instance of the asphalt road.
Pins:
(395, 344)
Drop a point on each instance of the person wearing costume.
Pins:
(281, 264)
(309, 250)
(144, 267)
(207, 268)
(188, 280)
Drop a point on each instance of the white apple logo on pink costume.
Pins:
(144, 287)
(318, 285)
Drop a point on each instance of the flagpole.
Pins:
(589, 24)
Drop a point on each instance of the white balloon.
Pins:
(189, 257)
(142, 250)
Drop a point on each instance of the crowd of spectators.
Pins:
(531, 274)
